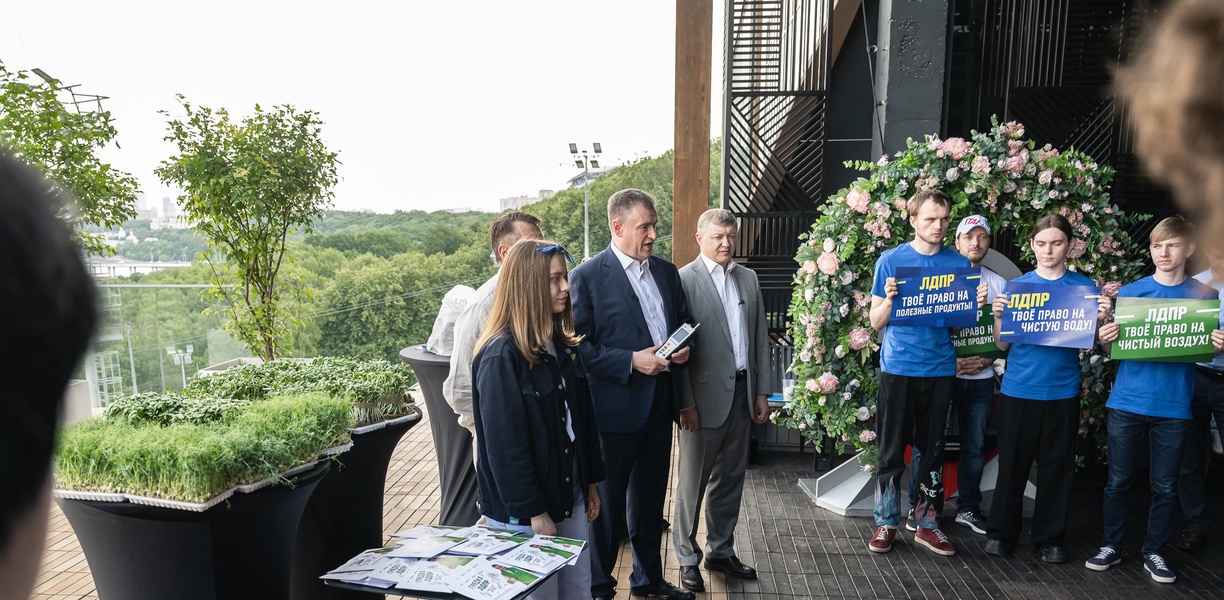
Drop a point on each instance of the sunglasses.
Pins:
(555, 248)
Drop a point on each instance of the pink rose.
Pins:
(1046, 176)
(859, 338)
(981, 165)
(867, 436)
(858, 200)
(956, 147)
(827, 263)
(811, 385)
(827, 383)
(1111, 289)
(1077, 249)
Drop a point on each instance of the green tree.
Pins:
(375, 307)
(247, 186)
(63, 144)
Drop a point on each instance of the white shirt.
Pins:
(994, 284)
(647, 292)
(1207, 278)
(729, 293)
(457, 389)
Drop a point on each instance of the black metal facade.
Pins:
(777, 63)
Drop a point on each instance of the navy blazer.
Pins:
(608, 315)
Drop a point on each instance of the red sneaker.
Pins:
(935, 541)
(882, 541)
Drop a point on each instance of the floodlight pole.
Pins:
(584, 158)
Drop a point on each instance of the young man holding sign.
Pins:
(1152, 397)
(917, 368)
(973, 390)
(1038, 414)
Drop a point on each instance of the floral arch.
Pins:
(999, 174)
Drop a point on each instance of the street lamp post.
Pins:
(585, 160)
(181, 358)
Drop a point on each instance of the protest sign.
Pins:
(1165, 329)
(1050, 315)
(979, 339)
(936, 296)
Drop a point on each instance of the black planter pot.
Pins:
(345, 514)
(237, 549)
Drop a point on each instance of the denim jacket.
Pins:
(526, 461)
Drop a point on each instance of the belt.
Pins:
(741, 375)
(1209, 372)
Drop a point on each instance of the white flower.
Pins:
(952, 174)
(809, 295)
(829, 245)
(844, 310)
(864, 413)
(840, 351)
(853, 384)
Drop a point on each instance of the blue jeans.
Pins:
(973, 399)
(1125, 434)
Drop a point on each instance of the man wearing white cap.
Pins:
(972, 393)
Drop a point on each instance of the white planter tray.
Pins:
(91, 496)
(337, 449)
(192, 506)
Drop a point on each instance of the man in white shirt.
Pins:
(457, 389)
(723, 392)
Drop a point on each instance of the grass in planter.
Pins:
(193, 462)
(170, 408)
(377, 385)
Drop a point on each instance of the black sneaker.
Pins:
(1107, 557)
(1155, 565)
(973, 519)
(911, 523)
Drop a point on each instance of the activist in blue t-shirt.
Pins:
(1151, 398)
(1157, 389)
(916, 351)
(1043, 372)
(919, 365)
(1038, 413)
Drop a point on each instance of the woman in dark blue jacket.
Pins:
(538, 449)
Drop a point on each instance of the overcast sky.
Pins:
(430, 104)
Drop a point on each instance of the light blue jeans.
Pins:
(572, 581)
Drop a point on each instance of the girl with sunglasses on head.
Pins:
(538, 449)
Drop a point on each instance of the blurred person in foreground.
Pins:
(47, 298)
(539, 455)
(1175, 91)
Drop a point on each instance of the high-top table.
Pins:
(452, 443)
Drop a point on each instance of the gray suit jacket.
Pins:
(709, 381)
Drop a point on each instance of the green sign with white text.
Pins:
(979, 339)
(1165, 329)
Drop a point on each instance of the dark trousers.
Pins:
(637, 465)
(1208, 401)
(1034, 430)
(911, 410)
(1166, 438)
(973, 399)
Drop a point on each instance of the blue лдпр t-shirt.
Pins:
(1044, 372)
(916, 351)
(1157, 389)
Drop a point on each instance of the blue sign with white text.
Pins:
(936, 296)
(1050, 315)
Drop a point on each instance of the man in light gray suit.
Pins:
(722, 393)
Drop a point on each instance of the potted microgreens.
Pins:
(175, 497)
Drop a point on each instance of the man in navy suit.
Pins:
(626, 303)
